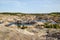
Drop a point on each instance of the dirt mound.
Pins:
(13, 34)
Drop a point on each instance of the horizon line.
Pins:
(27, 12)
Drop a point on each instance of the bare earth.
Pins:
(12, 32)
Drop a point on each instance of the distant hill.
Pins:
(11, 13)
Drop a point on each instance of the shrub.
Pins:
(51, 26)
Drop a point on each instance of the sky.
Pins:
(30, 6)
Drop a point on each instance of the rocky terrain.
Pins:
(15, 26)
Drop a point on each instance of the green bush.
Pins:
(47, 25)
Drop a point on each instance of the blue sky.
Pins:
(30, 6)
